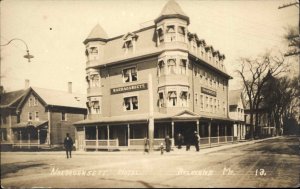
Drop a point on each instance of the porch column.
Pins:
(151, 113)
(29, 140)
(232, 132)
(97, 143)
(38, 138)
(209, 132)
(225, 126)
(128, 131)
(84, 138)
(49, 128)
(107, 135)
(197, 122)
(20, 138)
(173, 139)
(218, 129)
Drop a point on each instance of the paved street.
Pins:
(269, 163)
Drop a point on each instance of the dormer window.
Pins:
(160, 34)
(170, 34)
(172, 66)
(161, 68)
(129, 74)
(181, 33)
(128, 46)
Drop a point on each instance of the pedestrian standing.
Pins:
(68, 143)
(168, 143)
(146, 145)
(161, 148)
(196, 140)
(179, 140)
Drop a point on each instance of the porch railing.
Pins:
(26, 143)
(139, 143)
(101, 144)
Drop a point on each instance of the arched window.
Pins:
(172, 66)
(172, 98)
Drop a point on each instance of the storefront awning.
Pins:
(29, 123)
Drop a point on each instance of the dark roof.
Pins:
(235, 96)
(10, 98)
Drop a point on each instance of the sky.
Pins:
(55, 30)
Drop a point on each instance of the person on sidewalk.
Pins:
(68, 143)
(179, 140)
(196, 141)
(168, 143)
(146, 145)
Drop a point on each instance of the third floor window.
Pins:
(129, 74)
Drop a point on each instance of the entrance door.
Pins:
(81, 138)
(187, 131)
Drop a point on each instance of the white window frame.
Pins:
(131, 103)
(130, 74)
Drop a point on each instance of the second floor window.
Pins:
(37, 116)
(29, 116)
(161, 67)
(129, 75)
(172, 98)
(161, 102)
(94, 106)
(160, 34)
(183, 97)
(63, 116)
(131, 103)
(182, 66)
(201, 102)
(95, 80)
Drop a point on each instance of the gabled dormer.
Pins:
(129, 44)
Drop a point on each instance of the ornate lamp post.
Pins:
(27, 55)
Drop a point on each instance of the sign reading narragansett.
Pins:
(208, 91)
(137, 87)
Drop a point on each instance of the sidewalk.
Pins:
(175, 151)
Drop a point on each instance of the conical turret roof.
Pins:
(97, 34)
(172, 10)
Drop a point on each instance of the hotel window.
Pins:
(218, 104)
(63, 116)
(95, 80)
(94, 106)
(161, 102)
(224, 84)
(224, 108)
(196, 98)
(161, 68)
(29, 116)
(215, 105)
(160, 34)
(206, 107)
(129, 75)
(172, 98)
(170, 35)
(37, 116)
(131, 103)
(181, 33)
(183, 98)
(201, 102)
(211, 104)
(183, 66)
(172, 66)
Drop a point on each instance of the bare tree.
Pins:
(254, 74)
(293, 39)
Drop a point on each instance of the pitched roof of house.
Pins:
(10, 98)
(61, 98)
(97, 33)
(235, 96)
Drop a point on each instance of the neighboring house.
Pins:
(43, 117)
(158, 81)
(236, 113)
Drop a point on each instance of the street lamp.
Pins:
(27, 55)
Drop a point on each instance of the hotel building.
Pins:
(157, 81)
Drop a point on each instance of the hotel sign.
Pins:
(208, 92)
(137, 87)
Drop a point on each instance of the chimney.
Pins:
(27, 83)
(70, 87)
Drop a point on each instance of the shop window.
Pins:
(161, 102)
(131, 103)
(160, 34)
(182, 66)
(129, 75)
(161, 68)
(29, 116)
(170, 34)
(183, 98)
(37, 116)
(172, 98)
(172, 66)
